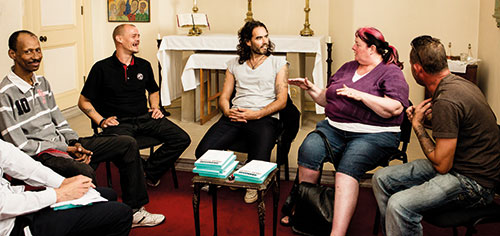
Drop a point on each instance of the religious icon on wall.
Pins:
(129, 11)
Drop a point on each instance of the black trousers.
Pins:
(258, 135)
(105, 218)
(121, 150)
(175, 141)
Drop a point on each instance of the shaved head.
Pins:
(119, 30)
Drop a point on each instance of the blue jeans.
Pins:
(404, 192)
(354, 153)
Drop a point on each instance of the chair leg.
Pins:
(174, 176)
(470, 230)
(320, 173)
(108, 174)
(282, 159)
(287, 172)
(376, 224)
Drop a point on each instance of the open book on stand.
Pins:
(255, 171)
(190, 19)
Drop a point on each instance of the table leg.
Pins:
(213, 191)
(262, 211)
(276, 198)
(196, 208)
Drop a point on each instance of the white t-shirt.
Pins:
(255, 88)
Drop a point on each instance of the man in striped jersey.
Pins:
(31, 120)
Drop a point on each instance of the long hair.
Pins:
(245, 35)
(372, 36)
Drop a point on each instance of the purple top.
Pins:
(384, 79)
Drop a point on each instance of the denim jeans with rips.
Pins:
(404, 192)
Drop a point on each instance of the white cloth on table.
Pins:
(457, 66)
(214, 61)
(461, 66)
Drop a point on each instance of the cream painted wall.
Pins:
(10, 21)
(489, 53)
(400, 22)
(102, 31)
(280, 16)
(336, 18)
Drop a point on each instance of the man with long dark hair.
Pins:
(258, 81)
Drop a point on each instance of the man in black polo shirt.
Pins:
(114, 98)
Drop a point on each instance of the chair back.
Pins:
(405, 132)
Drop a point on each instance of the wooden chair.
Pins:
(209, 96)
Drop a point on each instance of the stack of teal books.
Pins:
(216, 163)
(254, 172)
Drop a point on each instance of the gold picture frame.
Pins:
(129, 11)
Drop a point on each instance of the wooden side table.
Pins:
(262, 189)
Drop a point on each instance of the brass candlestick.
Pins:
(195, 31)
(249, 12)
(307, 31)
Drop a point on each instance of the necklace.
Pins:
(256, 63)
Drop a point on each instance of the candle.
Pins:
(195, 3)
(159, 36)
(329, 39)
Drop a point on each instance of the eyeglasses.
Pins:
(419, 42)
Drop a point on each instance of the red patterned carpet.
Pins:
(235, 217)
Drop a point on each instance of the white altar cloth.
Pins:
(202, 61)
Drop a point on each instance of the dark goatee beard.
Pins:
(257, 51)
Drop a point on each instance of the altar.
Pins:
(170, 52)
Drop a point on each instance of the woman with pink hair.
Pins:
(364, 102)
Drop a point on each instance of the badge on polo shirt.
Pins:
(140, 76)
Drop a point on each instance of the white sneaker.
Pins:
(251, 196)
(142, 218)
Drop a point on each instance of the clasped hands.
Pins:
(242, 115)
(79, 153)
